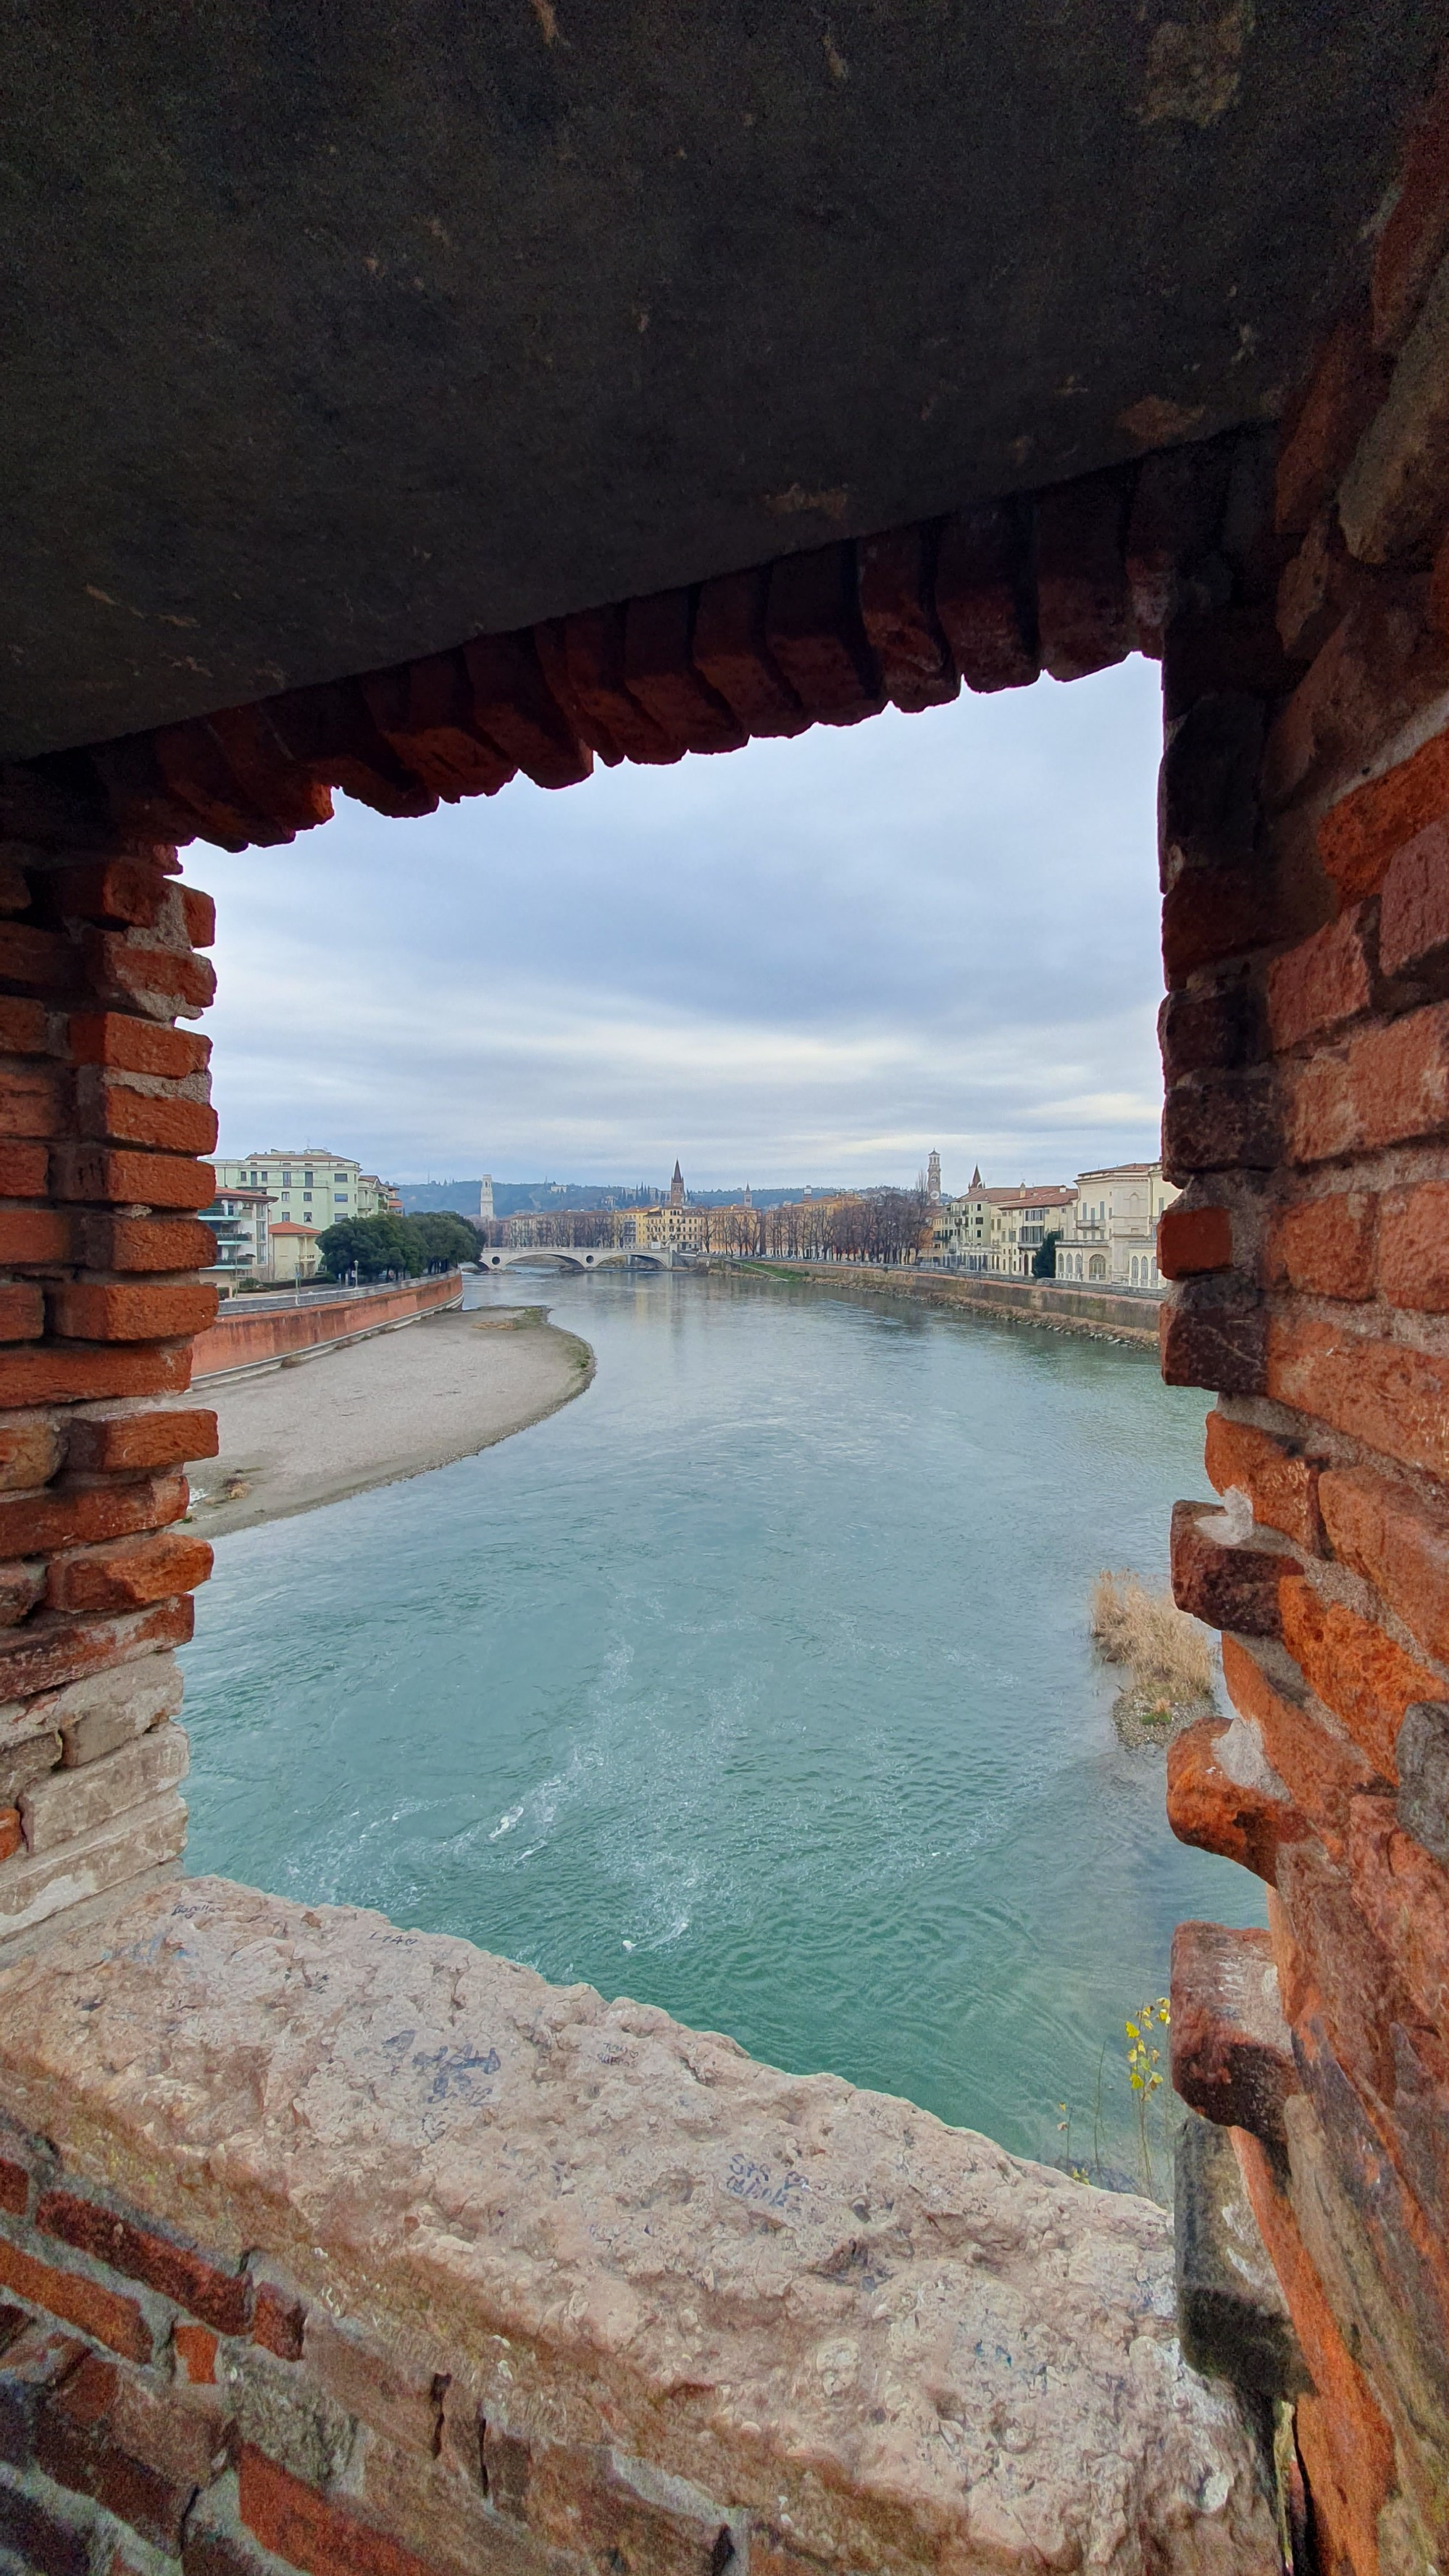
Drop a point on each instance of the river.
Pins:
(755, 1684)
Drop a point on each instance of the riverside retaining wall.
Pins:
(1101, 1312)
(246, 1340)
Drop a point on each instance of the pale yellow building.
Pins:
(293, 1252)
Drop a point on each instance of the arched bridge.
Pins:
(583, 1256)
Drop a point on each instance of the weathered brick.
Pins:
(1223, 1585)
(1219, 1122)
(1347, 2447)
(425, 710)
(36, 1234)
(167, 983)
(1325, 1246)
(1404, 1896)
(31, 1448)
(26, 1762)
(659, 673)
(512, 702)
(318, 2536)
(128, 1574)
(220, 2299)
(1212, 1811)
(81, 1515)
(195, 2351)
(1232, 2054)
(730, 651)
(1414, 906)
(122, 1311)
(198, 912)
(1396, 1543)
(138, 1243)
(897, 607)
(1394, 1398)
(1210, 914)
(51, 1651)
(1321, 983)
(1317, 1761)
(40, 2538)
(1346, 389)
(77, 1799)
(105, 2315)
(1194, 1239)
(1383, 663)
(25, 1028)
(373, 2383)
(129, 1117)
(80, 1372)
(21, 1586)
(1413, 1264)
(1280, 1483)
(195, 767)
(14, 2196)
(134, 1045)
(31, 1101)
(110, 1708)
(591, 649)
(1416, 235)
(1312, 591)
(1084, 604)
(36, 2356)
(44, 959)
(1218, 1342)
(1363, 1676)
(1392, 496)
(19, 1305)
(278, 786)
(122, 891)
(330, 732)
(985, 596)
(279, 2319)
(1362, 832)
(1221, 1031)
(77, 2446)
(131, 1179)
(814, 631)
(114, 1443)
(23, 1171)
(12, 1837)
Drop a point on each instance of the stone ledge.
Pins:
(884, 2340)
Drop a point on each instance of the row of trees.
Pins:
(396, 1247)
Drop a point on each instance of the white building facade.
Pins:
(1112, 1235)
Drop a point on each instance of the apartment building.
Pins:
(238, 1220)
(999, 1232)
(294, 1252)
(1113, 1233)
(311, 1186)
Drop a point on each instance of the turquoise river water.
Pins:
(756, 1684)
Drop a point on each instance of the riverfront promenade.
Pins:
(1104, 1314)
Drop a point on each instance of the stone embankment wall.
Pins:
(244, 1338)
(1305, 863)
(1095, 1311)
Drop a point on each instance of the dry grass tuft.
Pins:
(1166, 1652)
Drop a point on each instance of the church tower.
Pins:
(485, 1199)
(676, 1188)
(933, 1175)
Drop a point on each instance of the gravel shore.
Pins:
(312, 1431)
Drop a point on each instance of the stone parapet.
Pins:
(366, 2249)
(1098, 1312)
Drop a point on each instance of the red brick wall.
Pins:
(1305, 861)
(103, 1111)
(243, 1339)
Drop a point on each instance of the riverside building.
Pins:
(1113, 1233)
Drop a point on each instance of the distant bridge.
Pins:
(586, 1256)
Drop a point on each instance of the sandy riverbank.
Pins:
(311, 1431)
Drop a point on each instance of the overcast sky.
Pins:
(806, 961)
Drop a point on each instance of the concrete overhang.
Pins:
(338, 336)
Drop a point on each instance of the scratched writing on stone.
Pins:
(748, 2181)
(454, 2070)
